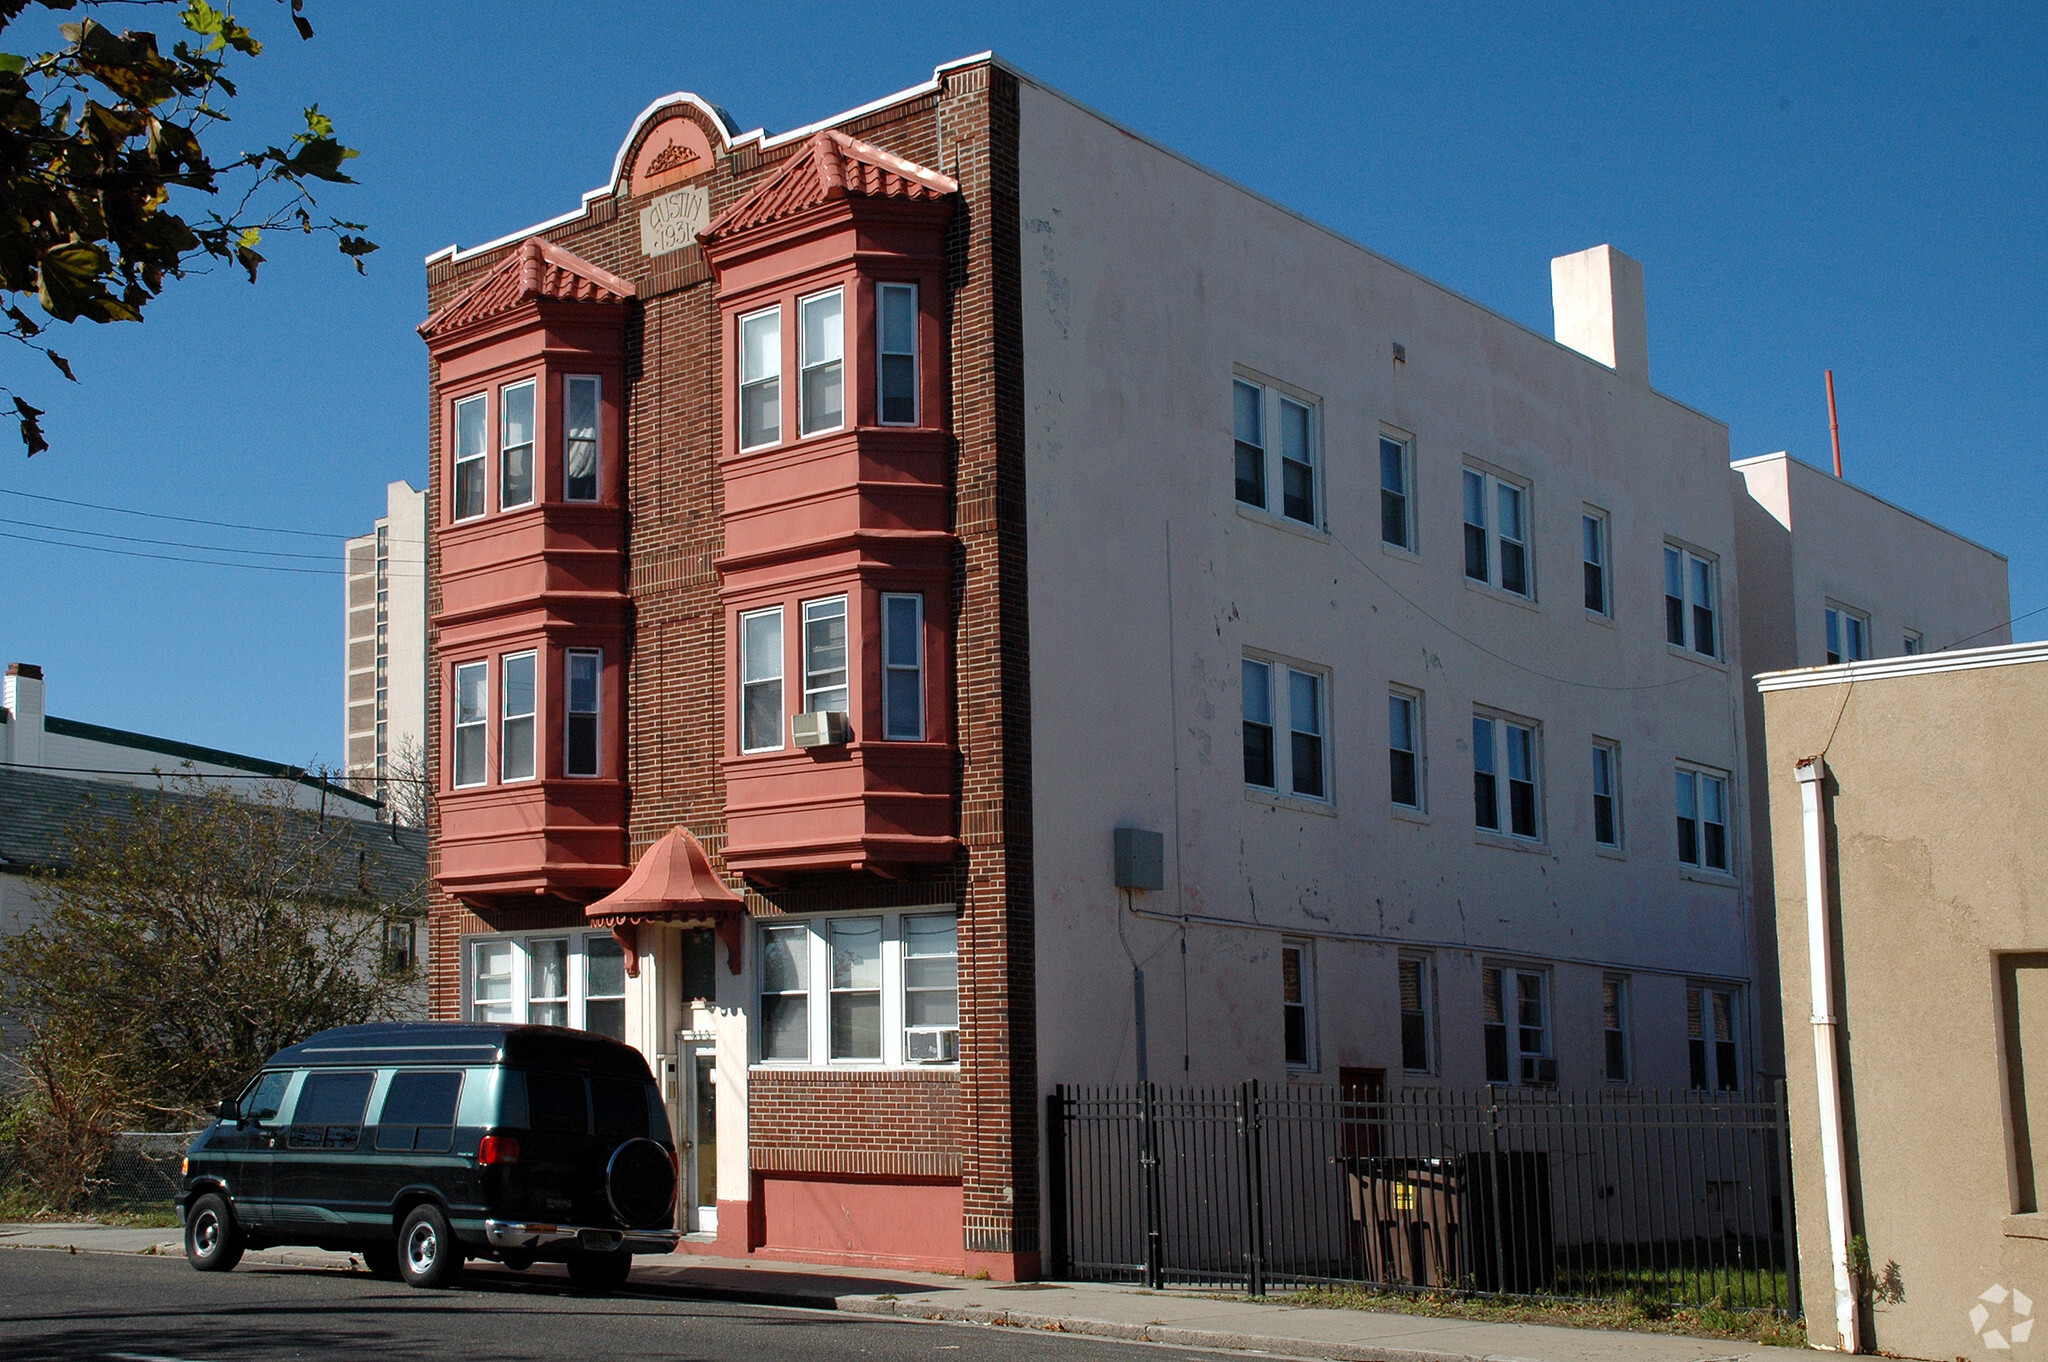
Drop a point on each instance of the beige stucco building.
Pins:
(1928, 830)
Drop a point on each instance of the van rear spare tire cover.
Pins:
(640, 1183)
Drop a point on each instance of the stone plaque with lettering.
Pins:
(672, 221)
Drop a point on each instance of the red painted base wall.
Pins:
(862, 1220)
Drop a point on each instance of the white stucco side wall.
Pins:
(1148, 283)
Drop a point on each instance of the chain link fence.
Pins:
(140, 1174)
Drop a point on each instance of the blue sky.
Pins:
(1862, 187)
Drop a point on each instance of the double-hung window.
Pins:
(490, 981)
(472, 725)
(896, 348)
(761, 680)
(470, 446)
(547, 982)
(1297, 1003)
(1497, 532)
(1281, 699)
(1418, 1049)
(515, 445)
(585, 668)
(822, 340)
(1614, 1025)
(903, 668)
(1593, 552)
(1404, 750)
(1606, 793)
(1276, 445)
(761, 378)
(1911, 643)
(1702, 819)
(604, 986)
(860, 989)
(577, 980)
(1505, 763)
(515, 731)
(1397, 524)
(1848, 635)
(825, 687)
(1710, 1038)
(1516, 1012)
(579, 437)
(1691, 593)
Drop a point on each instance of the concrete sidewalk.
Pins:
(1119, 1312)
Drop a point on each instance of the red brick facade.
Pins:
(979, 1127)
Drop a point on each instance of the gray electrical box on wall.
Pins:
(1140, 859)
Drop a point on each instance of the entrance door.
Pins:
(700, 1160)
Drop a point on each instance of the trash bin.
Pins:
(1406, 1220)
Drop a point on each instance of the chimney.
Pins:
(22, 697)
(1597, 296)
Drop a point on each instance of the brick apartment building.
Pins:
(837, 535)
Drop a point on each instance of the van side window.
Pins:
(330, 1110)
(419, 1111)
(261, 1099)
(556, 1104)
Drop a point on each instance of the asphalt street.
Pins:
(94, 1307)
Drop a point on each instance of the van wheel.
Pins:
(428, 1255)
(213, 1241)
(517, 1262)
(381, 1261)
(600, 1271)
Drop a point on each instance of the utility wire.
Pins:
(172, 558)
(166, 543)
(193, 520)
(1993, 629)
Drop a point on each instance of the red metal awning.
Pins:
(673, 882)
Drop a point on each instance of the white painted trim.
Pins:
(1919, 664)
(1759, 460)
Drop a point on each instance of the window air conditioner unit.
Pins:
(825, 729)
(936, 1045)
(1539, 1073)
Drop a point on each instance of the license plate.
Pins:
(599, 1239)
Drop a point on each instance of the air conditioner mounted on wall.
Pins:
(828, 728)
(933, 1045)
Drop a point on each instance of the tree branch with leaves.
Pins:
(103, 143)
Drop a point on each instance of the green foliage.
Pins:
(184, 943)
(102, 141)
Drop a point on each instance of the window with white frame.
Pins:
(825, 688)
(1418, 1041)
(903, 667)
(470, 448)
(1702, 819)
(1397, 520)
(580, 754)
(1614, 1008)
(1505, 770)
(1710, 1038)
(1912, 643)
(579, 437)
(896, 351)
(1606, 793)
(1848, 634)
(515, 730)
(1276, 450)
(515, 445)
(860, 989)
(761, 378)
(1497, 533)
(472, 724)
(1691, 594)
(821, 343)
(1298, 1003)
(547, 981)
(761, 680)
(1404, 749)
(575, 979)
(1515, 1005)
(1593, 553)
(1279, 699)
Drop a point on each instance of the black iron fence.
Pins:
(1669, 1197)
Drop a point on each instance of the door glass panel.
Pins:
(705, 1137)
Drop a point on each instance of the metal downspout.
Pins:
(1820, 948)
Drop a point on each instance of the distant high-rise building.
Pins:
(387, 640)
